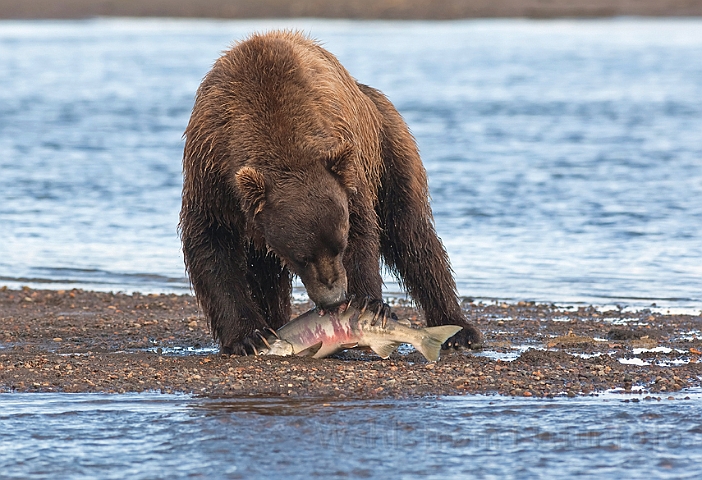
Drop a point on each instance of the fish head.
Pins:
(281, 348)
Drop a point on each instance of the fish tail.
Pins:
(433, 338)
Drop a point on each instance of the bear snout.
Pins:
(326, 283)
(329, 298)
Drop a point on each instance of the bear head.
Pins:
(302, 216)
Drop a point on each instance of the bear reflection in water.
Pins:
(292, 167)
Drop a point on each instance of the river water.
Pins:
(564, 157)
(154, 436)
(565, 165)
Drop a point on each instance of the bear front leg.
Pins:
(271, 286)
(411, 247)
(362, 256)
(216, 263)
(409, 243)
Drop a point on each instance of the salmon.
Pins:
(319, 334)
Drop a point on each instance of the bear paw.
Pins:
(470, 337)
(253, 344)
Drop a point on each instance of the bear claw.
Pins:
(250, 345)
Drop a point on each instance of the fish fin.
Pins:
(309, 351)
(384, 349)
(433, 338)
(348, 345)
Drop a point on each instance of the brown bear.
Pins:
(292, 167)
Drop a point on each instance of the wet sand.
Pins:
(358, 9)
(81, 341)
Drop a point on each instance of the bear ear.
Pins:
(252, 187)
(340, 161)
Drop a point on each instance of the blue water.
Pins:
(564, 157)
(166, 436)
(565, 165)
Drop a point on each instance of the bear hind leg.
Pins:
(408, 242)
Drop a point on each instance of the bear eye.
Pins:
(337, 248)
(303, 261)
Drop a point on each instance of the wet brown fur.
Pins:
(286, 155)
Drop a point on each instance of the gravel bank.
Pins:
(81, 341)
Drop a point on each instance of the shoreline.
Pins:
(359, 9)
(83, 341)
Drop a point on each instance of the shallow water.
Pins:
(170, 436)
(564, 157)
(565, 165)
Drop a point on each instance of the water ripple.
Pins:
(563, 156)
